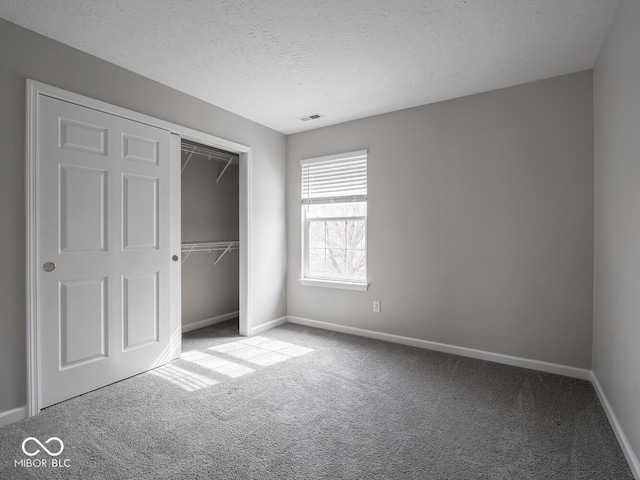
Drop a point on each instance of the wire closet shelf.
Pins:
(211, 153)
(209, 247)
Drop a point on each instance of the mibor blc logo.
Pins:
(52, 447)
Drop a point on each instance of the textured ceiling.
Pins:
(276, 60)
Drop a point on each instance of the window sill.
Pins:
(311, 282)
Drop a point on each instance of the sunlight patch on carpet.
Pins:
(184, 379)
(261, 351)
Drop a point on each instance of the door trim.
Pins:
(36, 89)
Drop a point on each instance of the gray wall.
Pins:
(616, 352)
(480, 222)
(24, 54)
(209, 213)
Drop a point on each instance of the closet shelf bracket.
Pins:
(187, 161)
(224, 170)
(187, 253)
(222, 254)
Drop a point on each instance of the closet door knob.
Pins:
(49, 267)
(174, 258)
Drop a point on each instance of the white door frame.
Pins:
(34, 90)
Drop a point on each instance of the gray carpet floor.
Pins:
(301, 403)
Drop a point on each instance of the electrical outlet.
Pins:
(376, 306)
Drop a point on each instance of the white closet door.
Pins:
(103, 226)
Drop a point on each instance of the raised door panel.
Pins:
(83, 209)
(139, 149)
(140, 220)
(141, 321)
(82, 136)
(83, 322)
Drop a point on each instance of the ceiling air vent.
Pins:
(313, 116)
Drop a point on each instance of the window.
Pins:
(334, 216)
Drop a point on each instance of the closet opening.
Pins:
(210, 236)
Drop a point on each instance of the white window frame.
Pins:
(329, 282)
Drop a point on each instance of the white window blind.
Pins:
(335, 178)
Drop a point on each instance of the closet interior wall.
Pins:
(210, 213)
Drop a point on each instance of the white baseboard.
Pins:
(630, 455)
(209, 321)
(567, 371)
(267, 326)
(12, 416)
